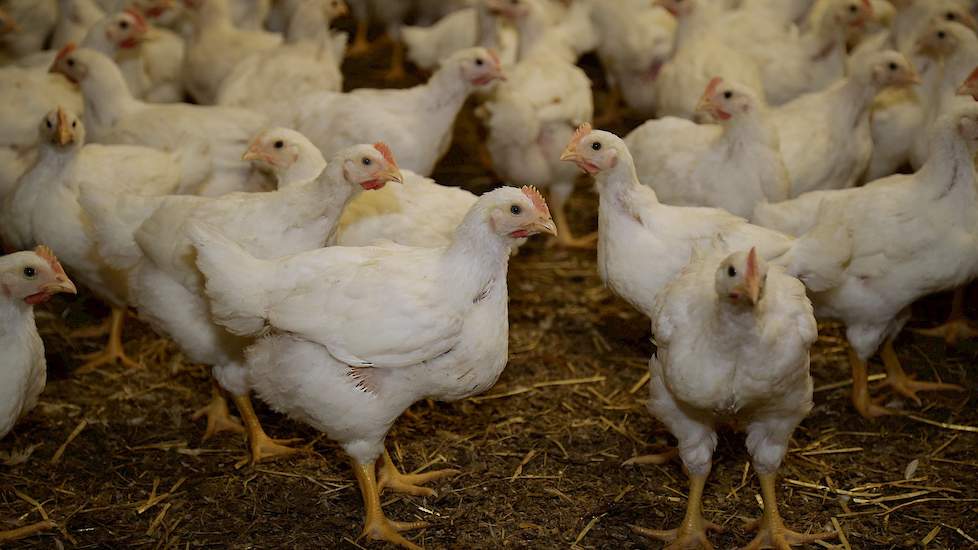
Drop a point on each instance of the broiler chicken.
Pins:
(643, 244)
(216, 46)
(531, 116)
(149, 236)
(308, 62)
(360, 334)
(732, 343)
(731, 165)
(44, 208)
(913, 235)
(416, 122)
(26, 280)
(207, 140)
(466, 28)
(287, 155)
(825, 136)
(75, 17)
(27, 25)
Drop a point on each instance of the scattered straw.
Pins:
(61, 450)
(945, 425)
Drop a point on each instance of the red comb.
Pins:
(140, 21)
(385, 151)
(48, 255)
(711, 88)
(536, 198)
(582, 130)
(69, 47)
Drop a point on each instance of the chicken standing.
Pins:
(44, 208)
(913, 235)
(207, 140)
(359, 334)
(26, 279)
(416, 122)
(732, 343)
(152, 234)
(630, 218)
(731, 165)
(826, 141)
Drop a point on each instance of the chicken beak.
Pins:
(570, 153)
(706, 104)
(253, 153)
(63, 285)
(911, 78)
(544, 225)
(752, 279)
(391, 174)
(64, 131)
(965, 89)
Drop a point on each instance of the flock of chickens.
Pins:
(287, 234)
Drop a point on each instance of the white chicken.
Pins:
(416, 122)
(731, 165)
(636, 41)
(149, 235)
(466, 28)
(534, 112)
(630, 219)
(26, 280)
(698, 56)
(913, 235)
(75, 17)
(308, 62)
(825, 136)
(359, 334)
(207, 140)
(27, 25)
(44, 208)
(732, 344)
(287, 155)
(216, 46)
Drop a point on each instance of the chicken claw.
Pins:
(263, 448)
(692, 533)
(391, 477)
(376, 525)
(958, 327)
(864, 404)
(219, 418)
(771, 530)
(113, 352)
(903, 384)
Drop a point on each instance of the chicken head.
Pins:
(591, 151)
(890, 68)
(943, 38)
(34, 277)
(477, 66)
(370, 166)
(62, 128)
(740, 278)
(126, 29)
(519, 213)
(274, 149)
(723, 100)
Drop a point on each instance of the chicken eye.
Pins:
(366, 161)
(48, 122)
(941, 35)
(123, 25)
(596, 146)
(892, 66)
(30, 272)
(951, 16)
(74, 123)
(728, 94)
(71, 62)
(516, 210)
(853, 8)
(479, 61)
(279, 144)
(731, 272)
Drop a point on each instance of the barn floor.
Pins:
(541, 454)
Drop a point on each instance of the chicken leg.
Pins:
(376, 525)
(360, 44)
(263, 448)
(692, 532)
(411, 484)
(396, 71)
(771, 532)
(113, 352)
(559, 194)
(866, 405)
(219, 418)
(904, 385)
(957, 327)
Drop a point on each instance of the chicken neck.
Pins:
(107, 96)
(477, 258)
(951, 170)
(748, 129)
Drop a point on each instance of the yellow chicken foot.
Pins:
(219, 418)
(771, 532)
(26, 531)
(658, 458)
(397, 71)
(360, 44)
(866, 405)
(263, 448)
(391, 477)
(564, 236)
(692, 532)
(376, 525)
(113, 352)
(957, 327)
(903, 384)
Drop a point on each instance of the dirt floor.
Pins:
(541, 454)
